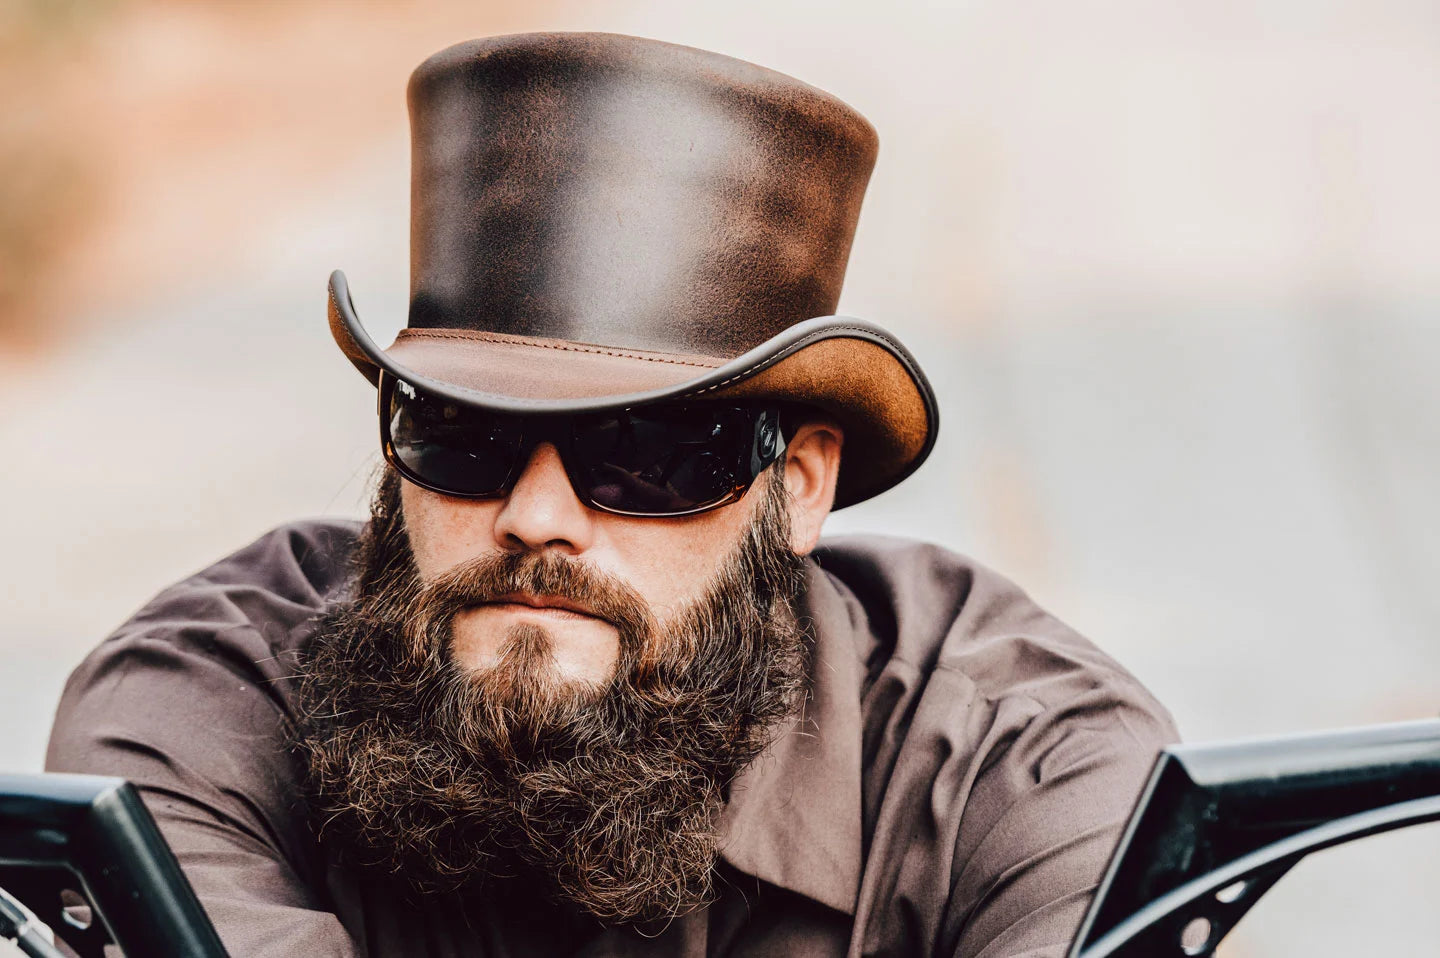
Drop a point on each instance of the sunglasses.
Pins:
(668, 459)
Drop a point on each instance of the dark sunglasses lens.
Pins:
(453, 448)
(661, 461)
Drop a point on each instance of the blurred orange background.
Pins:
(1173, 267)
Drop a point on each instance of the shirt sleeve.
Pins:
(192, 715)
(1042, 821)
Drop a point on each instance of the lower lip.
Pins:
(547, 611)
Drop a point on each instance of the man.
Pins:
(587, 682)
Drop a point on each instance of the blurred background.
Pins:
(1173, 267)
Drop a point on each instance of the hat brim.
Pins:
(851, 370)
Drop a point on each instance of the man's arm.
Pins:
(192, 720)
(1042, 822)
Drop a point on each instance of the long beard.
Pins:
(608, 795)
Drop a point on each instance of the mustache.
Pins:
(494, 578)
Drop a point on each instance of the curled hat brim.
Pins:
(851, 370)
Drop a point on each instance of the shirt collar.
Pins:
(793, 818)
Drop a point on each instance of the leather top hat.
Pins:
(601, 221)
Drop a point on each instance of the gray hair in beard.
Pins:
(609, 796)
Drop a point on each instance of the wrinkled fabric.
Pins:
(953, 785)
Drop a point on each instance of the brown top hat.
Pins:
(602, 221)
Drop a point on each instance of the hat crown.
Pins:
(626, 192)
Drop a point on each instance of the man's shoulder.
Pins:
(240, 616)
(300, 561)
(1000, 751)
(216, 644)
(928, 609)
(286, 576)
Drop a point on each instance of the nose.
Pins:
(542, 510)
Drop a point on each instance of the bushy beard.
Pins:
(608, 795)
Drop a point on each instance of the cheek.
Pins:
(671, 562)
(445, 532)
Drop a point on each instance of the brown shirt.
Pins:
(954, 786)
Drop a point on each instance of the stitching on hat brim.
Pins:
(471, 336)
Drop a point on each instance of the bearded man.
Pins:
(587, 682)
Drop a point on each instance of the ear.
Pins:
(812, 465)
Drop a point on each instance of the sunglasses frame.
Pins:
(558, 429)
